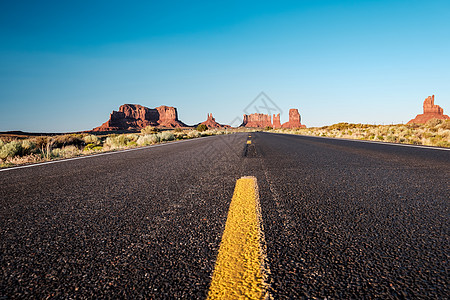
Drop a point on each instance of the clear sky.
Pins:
(65, 65)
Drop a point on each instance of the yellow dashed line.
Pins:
(239, 269)
(249, 142)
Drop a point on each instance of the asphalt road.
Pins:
(342, 219)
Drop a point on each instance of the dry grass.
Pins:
(434, 133)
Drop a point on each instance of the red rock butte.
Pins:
(262, 120)
(135, 117)
(211, 123)
(430, 111)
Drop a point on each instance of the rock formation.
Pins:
(294, 120)
(276, 121)
(262, 120)
(211, 123)
(136, 117)
(257, 120)
(430, 111)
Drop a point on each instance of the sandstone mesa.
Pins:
(430, 111)
(262, 120)
(134, 116)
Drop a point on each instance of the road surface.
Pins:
(341, 219)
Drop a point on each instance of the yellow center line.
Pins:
(239, 270)
(249, 142)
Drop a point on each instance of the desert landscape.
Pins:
(137, 126)
(224, 149)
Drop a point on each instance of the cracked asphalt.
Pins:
(342, 219)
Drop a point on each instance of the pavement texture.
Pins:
(341, 219)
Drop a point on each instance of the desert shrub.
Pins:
(202, 127)
(346, 126)
(18, 160)
(207, 132)
(268, 128)
(54, 153)
(166, 136)
(65, 152)
(91, 139)
(67, 139)
(133, 136)
(180, 135)
(434, 122)
(177, 130)
(149, 130)
(92, 147)
(121, 141)
(413, 125)
(41, 141)
(11, 149)
(427, 135)
(442, 143)
(445, 125)
(391, 138)
(148, 139)
(1, 143)
(70, 151)
(117, 141)
(193, 134)
(28, 147)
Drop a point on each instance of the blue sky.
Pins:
(64, 66)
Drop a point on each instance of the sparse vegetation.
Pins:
(92, 148)
(121, 141)
(149, 130)
(166, 136)
(434, 133)
(91, 139)
(10, 149)
(148, 139)
(193, 134)
(23, 150)
(65, 152)
(202, 127)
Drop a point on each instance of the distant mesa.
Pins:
(211, 123)
(136, 117)
(257, 121)
(430, 111)
(294, 120)
(262, 120)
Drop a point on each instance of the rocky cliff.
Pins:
(257, 121)
(276, 121)
(294, 120)
(136, 117)
(430, 111)
(262, 120)
(211, 123)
